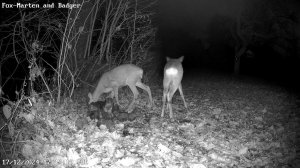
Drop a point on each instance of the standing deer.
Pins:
(126, 74)
(173, 73)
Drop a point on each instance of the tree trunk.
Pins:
(240, 44)
(237, 65)
(238, 54)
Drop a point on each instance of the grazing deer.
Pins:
(126, 74)
(173, 73)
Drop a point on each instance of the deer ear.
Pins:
(168, 58)
(181, 58)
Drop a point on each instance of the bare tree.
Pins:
(80, 41)
(266, 22)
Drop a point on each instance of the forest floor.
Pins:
(229, 123)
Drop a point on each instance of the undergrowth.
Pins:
(228, 125)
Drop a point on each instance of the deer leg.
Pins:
(169, 99)
(147, 89)
(135, 95)
(181, 94)
(116, 94)
(111, 95)
(169, 107)
(164, 102)
(166, 85)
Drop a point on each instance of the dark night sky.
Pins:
(193, 16)
(186, 26)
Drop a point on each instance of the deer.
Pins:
(123, 75)
(173, 73)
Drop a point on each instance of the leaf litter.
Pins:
(230, 125)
